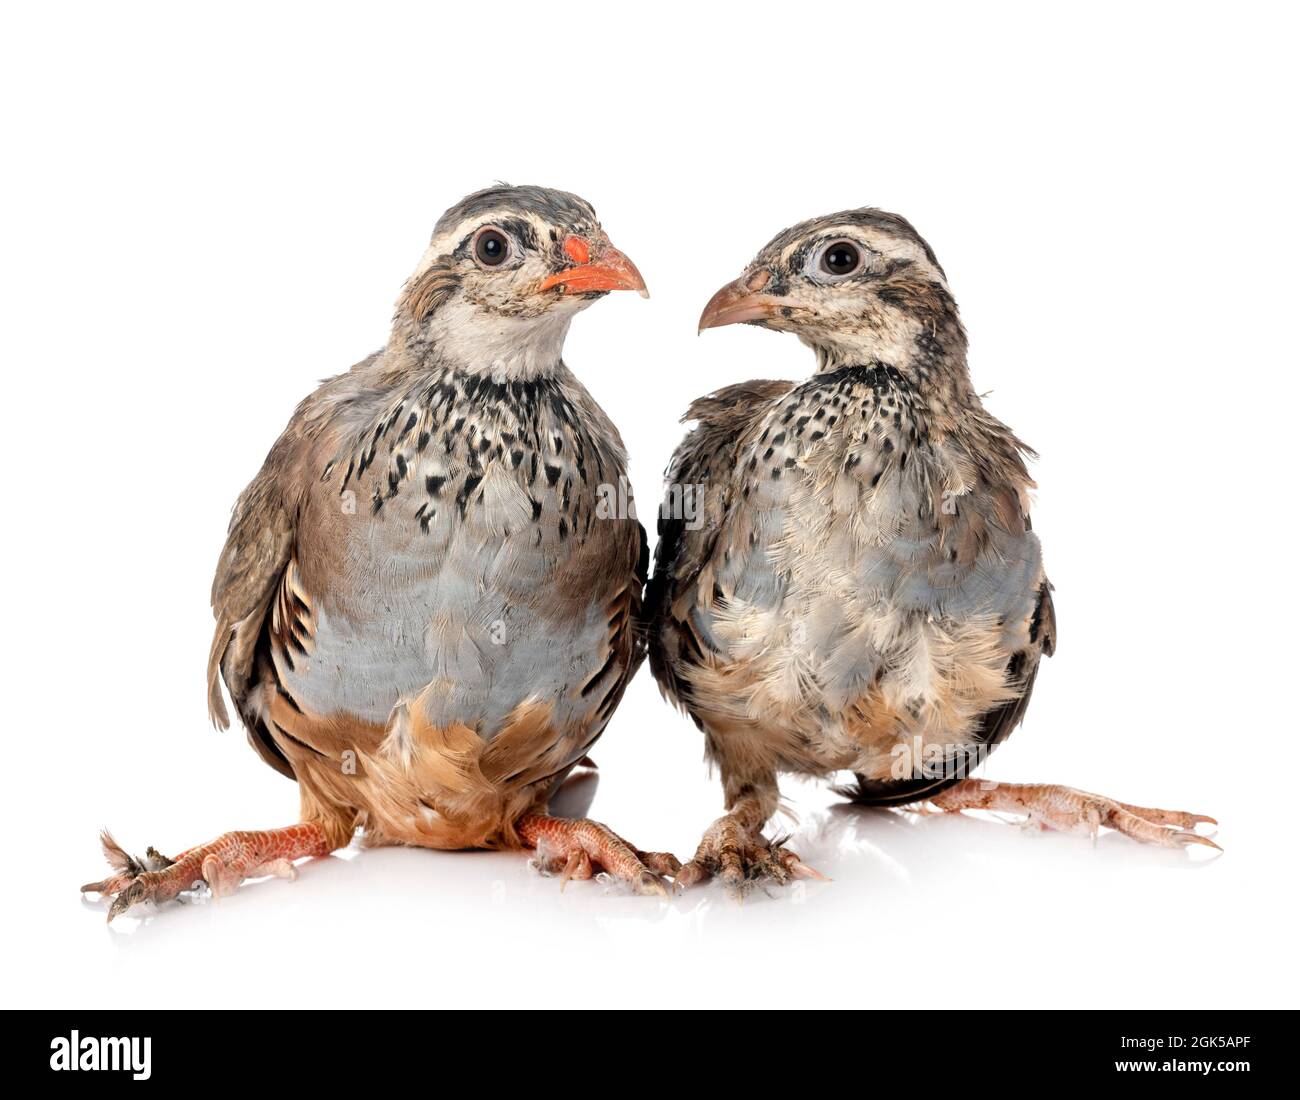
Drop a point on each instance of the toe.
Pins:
(1179, 818)
(547, 861)
(1185, 838)
(797, 868)
(111, 885)
(691, 874)
(215, 875)
(1143, 829)
(661, 863)
(734, 882)
(278, 868)
(769, 865)
(140, 889)
(578, 865)
(649, 884)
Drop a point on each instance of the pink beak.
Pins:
(740, 301)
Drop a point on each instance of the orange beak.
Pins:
(610, 270)
(740, 301)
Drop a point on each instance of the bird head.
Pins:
(504, 274)
(858, 286)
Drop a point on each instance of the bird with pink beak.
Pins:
(862, 592)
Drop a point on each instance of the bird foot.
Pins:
(578, 849)
(1063, 808)
(221, 865)
(742, 859)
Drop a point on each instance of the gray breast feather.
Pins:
(446, 573)
(841, 523)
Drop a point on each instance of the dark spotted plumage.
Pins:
(552, 450)
(864, 577)
(418, 617)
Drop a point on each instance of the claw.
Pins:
(796, 867)
(137, 891)
(800, 869)
(651, 885)
(578, 847)
(578, 865)
(735, 884)
(1186, 837)
(1092, 816)
(741, 860)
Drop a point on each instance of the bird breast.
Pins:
(452, 530)
(857, 588)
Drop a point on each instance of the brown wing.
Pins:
(705, 459)
(250, 572)
(255, 566)
(627, 644)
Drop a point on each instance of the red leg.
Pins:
(575, 848)
(1057, 807)
(736, 853)
(222, 863)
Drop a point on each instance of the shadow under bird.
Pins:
(420, 617)
(859, 589)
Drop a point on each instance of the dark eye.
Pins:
(841, 258)
(491, 247)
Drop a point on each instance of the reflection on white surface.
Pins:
(919, 910)
(915, 906)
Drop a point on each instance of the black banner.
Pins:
(335, 1048)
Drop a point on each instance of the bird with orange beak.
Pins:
(421, 615)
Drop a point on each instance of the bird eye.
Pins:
(491, 248)
(841, 258)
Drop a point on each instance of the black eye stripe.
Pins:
(519, 233)
(521, 230)
(809, 256)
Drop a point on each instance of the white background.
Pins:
(205, 211)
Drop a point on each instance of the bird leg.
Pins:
(578, 848)
(1056, 807)
(735, 851)
(222, 863)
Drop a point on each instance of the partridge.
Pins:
(423, 614)
(858, 587)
